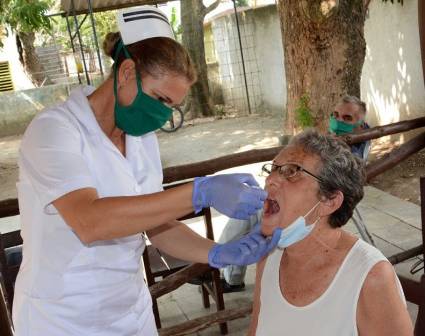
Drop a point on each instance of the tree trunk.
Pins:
(192, 22)
(324, 50)
(29, 59)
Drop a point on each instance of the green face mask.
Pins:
(145, 114)
(340, 127)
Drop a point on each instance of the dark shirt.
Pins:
(358, 149)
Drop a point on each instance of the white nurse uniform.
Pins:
(65, 287)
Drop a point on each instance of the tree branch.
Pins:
(366, 4)
(211, 7)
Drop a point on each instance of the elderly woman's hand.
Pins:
(245, 251)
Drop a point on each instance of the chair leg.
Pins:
(218, 296)
(205, 296)
(6, 325)
(156, 313)
(420, 319)
(361, 226)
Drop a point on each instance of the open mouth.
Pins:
(271, 207)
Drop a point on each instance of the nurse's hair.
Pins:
(339, 170)
(155, 56)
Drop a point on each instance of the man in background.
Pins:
(349, 117)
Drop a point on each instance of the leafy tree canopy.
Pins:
(25, 15)
(105, 22)
(241, 3)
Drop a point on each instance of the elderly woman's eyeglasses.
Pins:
(287, 170)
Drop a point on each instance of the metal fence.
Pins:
(230, 56)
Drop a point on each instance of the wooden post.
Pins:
(420, 319)
(421, 22)
(380, 131)
(402, 256)
(188, 171)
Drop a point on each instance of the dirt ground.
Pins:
(202, 140)
(402, 180)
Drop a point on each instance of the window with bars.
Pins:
(6, 83)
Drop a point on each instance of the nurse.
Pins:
(90, 183)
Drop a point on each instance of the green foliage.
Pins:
(219, 111)
(25, 15)
(177, 28)
(303, 115)
(105, 22)
(241, 3)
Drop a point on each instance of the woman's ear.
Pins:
(332, 204)
(125, 71)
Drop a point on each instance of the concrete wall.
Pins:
(269, 55)
(263, 58)
(392, 82)
(18, 108)
(10, 53)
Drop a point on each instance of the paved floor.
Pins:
(394, 223)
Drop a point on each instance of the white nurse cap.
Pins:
(140, 23)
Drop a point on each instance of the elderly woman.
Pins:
(323, 281)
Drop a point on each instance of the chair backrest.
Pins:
(154, 266)
(10, 261)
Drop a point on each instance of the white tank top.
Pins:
(333, 313)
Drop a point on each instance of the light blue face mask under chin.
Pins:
(296, 231)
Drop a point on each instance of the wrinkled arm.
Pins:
(178, 240)
(380, 309)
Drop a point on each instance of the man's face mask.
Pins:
(339, 127)
(297, 230)
(145, 114)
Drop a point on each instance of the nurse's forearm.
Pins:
(178, 240)
(140, 213)
(93, 218)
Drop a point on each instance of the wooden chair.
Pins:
(10, 261)
(420, 319)
(6, 325)
(156, 270)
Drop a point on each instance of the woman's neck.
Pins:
(322, 240)
(102, 102)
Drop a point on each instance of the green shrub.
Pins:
(303, 115)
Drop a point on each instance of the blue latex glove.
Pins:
(245, 251)
(234, 195)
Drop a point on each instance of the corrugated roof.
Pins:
(81, 6)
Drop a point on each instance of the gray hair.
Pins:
(340, 170)
(356, 101)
